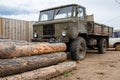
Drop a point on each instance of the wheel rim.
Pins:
(104, 45)
(82, 50)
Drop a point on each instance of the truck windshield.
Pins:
(46, 15)
(59, 13)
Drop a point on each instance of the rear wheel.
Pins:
(102, 45)
(117, 47)
(78, 49)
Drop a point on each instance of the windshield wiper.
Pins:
(58, 11)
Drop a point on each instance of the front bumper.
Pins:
(52, 40)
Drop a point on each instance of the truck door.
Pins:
(81, 13)
(81, 22)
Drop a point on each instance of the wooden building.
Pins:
(16, 29)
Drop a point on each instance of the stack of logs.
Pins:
(27, 61)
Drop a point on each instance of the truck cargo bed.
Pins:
(99, 29)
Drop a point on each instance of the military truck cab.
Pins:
(54, 23)
(69, 24)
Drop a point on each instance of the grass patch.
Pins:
(67, 74)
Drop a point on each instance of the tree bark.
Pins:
(44, 73)
(23, 64)
(12, 49)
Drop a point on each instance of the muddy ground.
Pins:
(96, 67)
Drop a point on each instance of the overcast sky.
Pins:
(105, 11)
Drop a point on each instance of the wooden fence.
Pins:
(16, 29)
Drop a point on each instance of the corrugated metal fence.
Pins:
(16, 29)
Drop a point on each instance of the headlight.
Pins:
(35, 35)
(64, 33)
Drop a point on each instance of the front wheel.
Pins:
(78, 49)
(102, 45)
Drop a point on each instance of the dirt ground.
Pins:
(96, 67)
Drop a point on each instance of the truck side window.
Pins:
(116, 34)
(81, 13)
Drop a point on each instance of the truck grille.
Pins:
(48, 30)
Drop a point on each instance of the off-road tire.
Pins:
(117, 47)
(102, 45)
(78, 49)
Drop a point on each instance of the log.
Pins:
(12, 49)
(23, 64)
(44, 73)
(8, 46)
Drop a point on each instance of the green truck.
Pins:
(70, 24)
